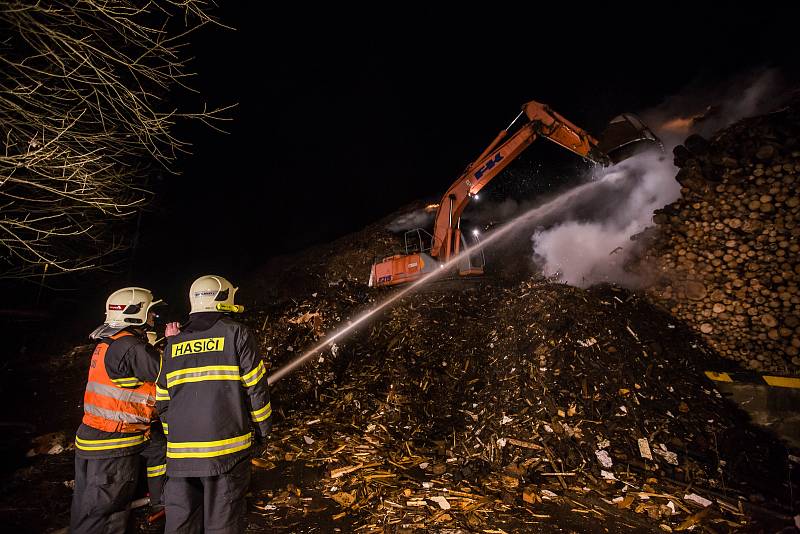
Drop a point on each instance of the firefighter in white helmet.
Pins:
(212, 293)
(119, 425)
(212, 395)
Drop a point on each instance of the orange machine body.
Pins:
(400, 268)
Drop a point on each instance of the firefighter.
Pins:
(213, 398)
(119, 426)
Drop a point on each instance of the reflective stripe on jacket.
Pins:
(108, 444)
(121, 405)
(212, 395)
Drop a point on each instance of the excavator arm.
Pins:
(623, 137)
(542, 122)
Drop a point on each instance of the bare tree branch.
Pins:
(83, 123)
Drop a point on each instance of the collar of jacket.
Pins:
(136, 331)
(201, 321)
(104, 332)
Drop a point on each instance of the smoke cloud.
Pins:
(703, 109)
(420, 218)
(591, 241)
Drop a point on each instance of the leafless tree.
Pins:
(84, 121)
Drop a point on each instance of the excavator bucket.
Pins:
(625, 136)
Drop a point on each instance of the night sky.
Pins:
(340, 125)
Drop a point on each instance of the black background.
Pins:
(344, 117)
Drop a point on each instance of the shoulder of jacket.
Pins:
(230, 323)
(125, 343)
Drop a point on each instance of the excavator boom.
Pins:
(625, 131)
(542, 122)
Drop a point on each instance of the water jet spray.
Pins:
(528, 217)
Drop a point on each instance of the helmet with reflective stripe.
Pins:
(129, 307)
(211, 293)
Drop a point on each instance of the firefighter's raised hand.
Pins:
(172, 329)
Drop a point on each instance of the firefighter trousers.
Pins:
(155, 457)
(210, 505)
(105, 487)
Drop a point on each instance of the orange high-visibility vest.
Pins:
(112, 408)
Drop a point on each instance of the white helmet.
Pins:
(129, 307)
(212, 293)
(124, 308)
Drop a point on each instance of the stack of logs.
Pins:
(726, 253)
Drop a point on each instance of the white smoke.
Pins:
(420, 218)
(703, 109)
(590, 243)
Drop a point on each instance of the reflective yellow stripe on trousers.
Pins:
(208, 449)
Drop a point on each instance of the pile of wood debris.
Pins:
(499, 407)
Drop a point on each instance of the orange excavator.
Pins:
(625, 136)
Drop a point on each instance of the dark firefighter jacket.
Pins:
(129, 361)
(212, 396)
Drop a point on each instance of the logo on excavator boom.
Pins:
(489, 165)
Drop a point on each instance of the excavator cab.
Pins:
(471, 264)
(625, 136)
(417, 261)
